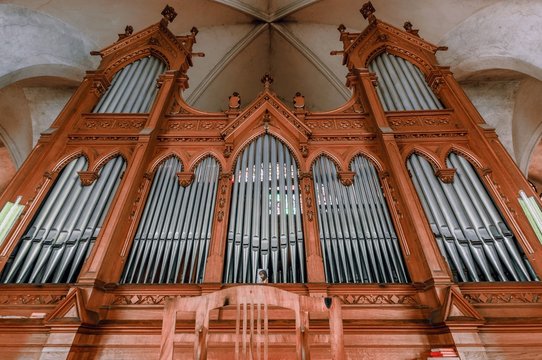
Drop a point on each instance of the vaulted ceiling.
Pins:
(243, 39)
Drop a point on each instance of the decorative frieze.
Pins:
(379, 299)
(195, 125)
(505, 298)
(337, 124)
(31, 299)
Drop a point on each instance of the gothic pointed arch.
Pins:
(172, 240)
(471, 233)
(63, 231)
(357, 234)
(265, 231)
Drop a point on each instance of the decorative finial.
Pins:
(169, 13)
(267, 80)
(234, 101)
(194, 31)
(409, 28)
(299, 101)
(128, 30)
(367, 10)
(341, 28)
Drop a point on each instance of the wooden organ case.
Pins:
(384, 229)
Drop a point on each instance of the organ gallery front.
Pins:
(394, 227)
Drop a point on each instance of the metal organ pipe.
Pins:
(402, 85)
(357, 235)
(172, 240)
(132, 88)
(60, 236)
(480, 246)
(265, 230)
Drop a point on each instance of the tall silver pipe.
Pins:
(323, 224)
(151, 234)
(199, 210)
(247, 223)
(212, 178)
(298, 223)
(239, 217)
(289, 174)
(282, 216)
(257, 208)
(266, 213)
(333, 224)
(274, 218)
(156, 242)
(168, 231)
(344, 234)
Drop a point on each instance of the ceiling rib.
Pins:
(245, 8)
(314, 59)
(289, 9)
(226, 59)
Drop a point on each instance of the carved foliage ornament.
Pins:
(87, 177)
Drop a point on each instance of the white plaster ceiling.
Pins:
(243, 39)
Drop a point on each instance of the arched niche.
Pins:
(265, 231)
(63, 231)
(357, 234)
(471, 233)
(172, 240)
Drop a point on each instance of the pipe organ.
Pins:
(395, 217)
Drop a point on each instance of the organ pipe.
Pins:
(265, 229)
(63, 231)
(172, 240)
(133, 88)
(359, 242)
(401, 85)
(469, 229)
